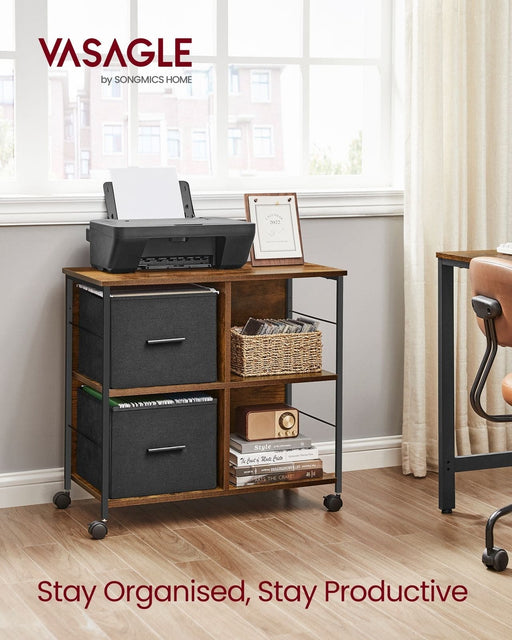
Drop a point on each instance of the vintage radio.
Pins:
(263, 421)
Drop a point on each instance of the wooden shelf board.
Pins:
(140, 391)
(170, 276)
(258, 381)
(236, 382)
(327, 478)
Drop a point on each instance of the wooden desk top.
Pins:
(465, 257)
(174, 276)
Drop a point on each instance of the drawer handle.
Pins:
(178, 447)
(165, 340)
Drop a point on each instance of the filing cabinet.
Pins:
(142, 336)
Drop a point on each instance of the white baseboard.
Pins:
(34, 487)
(38, 487)
(363, 453)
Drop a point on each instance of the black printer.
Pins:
(121, 246)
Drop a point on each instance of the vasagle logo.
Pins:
(139, 57)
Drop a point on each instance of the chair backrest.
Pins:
(492, 277)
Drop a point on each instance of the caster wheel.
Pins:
(62, 500)
(446, 511)
(97, 529)
(333, 502)
(496, 560)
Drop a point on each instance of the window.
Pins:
(69, 170)
(260, 86)
(263, 144)
(85, 120)
(311, 105)
(149, 139)
(235, 142)
(111, 91)
(173, 144)
(112, 138)
(234, 80)
(85, 163)
(199, 145)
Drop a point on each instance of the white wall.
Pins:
(32, 330)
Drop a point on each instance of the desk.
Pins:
(449, 463)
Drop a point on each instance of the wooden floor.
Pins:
(388, 542)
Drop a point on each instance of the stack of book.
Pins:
(273, 460)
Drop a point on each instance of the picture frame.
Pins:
(278, 238)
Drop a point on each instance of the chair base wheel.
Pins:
(496, 559)
(97, 529)
(333, 502)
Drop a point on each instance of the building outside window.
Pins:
(199, 145)
(260, 86)
(149, 139)
(112, 138)
(235, 142)
(85, 163)
(263, 142)
(173, 144)
(234, 80)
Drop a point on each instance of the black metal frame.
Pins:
(449, 463)
(338, 408)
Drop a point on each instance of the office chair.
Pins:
(491, 284)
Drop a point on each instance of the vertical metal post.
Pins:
(446, 403)
(339, 383)
(289, 309)
(68, 401)
(105, 407)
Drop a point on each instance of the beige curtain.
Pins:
(457, 196)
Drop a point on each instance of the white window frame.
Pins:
(31, 145)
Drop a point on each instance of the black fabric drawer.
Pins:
(134, 471)
(188, 321)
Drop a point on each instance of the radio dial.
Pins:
(287, 420)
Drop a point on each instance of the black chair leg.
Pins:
(494, 557)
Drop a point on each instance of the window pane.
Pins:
(265, 120)
(345, 121)
(88, 126)
(7, 25)
(184, 114)
(6, 119)
(170, 19)
(173, 144)
(266, 27)
(149, 140)
(344, 28)
(94, 18)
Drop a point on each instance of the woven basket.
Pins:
(275, 354)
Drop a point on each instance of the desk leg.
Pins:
(446, 417)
